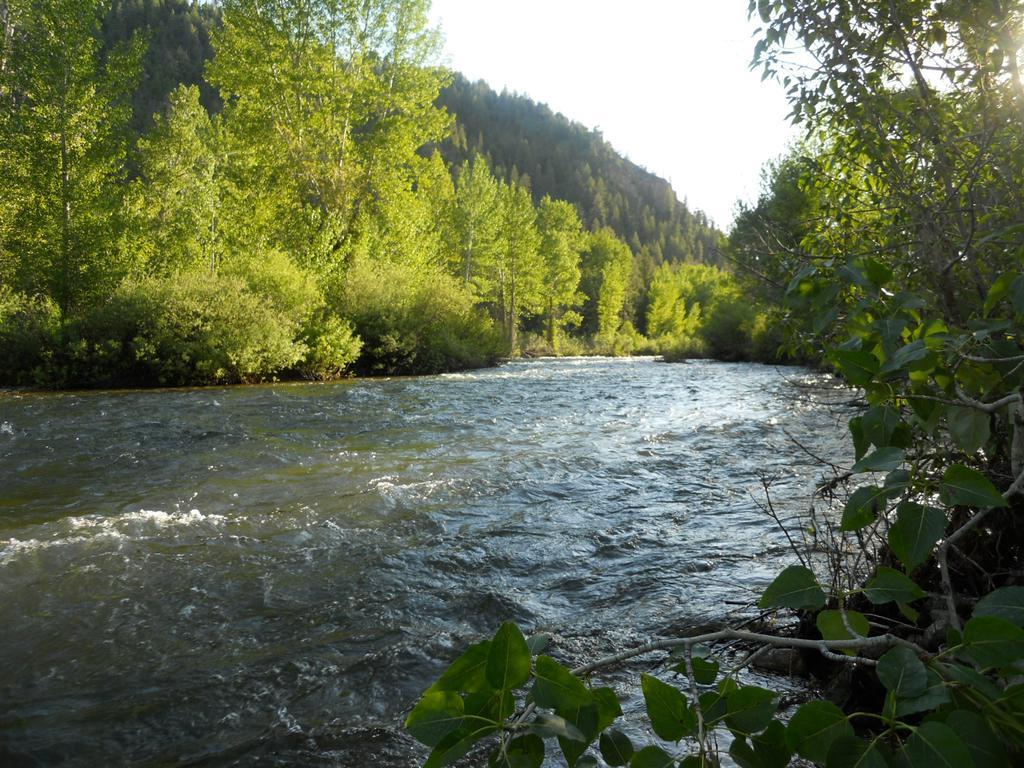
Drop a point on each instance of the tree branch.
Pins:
(868, 643)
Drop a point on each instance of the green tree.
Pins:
(562, 242)
(478, 221)
(327, 104)
(518, 269)
(176, 199)
(607, 268)
(63, 127)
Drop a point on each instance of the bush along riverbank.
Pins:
(894, 234)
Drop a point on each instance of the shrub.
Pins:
(415, 321)
(190, 328)
(28, 331)
(331, 346)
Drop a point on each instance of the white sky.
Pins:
(666, 81)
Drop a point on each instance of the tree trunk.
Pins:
(551, 324)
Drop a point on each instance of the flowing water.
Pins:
(271, 575)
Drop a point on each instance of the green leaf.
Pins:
(902, 672)
(794, 588)
(882, 460)
(935, 745)
(1006, 603)
(964, 486)
(458, 743)
(863, 507)
(1017, 295)
(858, 368)
(436, 715)
(584, 717)
(993, 642)
(714, 703)
(750, 709)
(764, 750)
(935, 695)
(537, 643)
(667, 708)
(704, 671)
(888, 585)
(969, 428)
(467, 673)
(616, 748)
(814, 728)
(999, 290)
(914, 534)
(879, 423)
(860, 440)
(985, 747)
(875, 271)
(608, 707)
(556, 687)
(526, 751)
(1012, 699)
(830, 624)
(548, 726)
(909, 613)
(913, 356)
(971, 678)
(851, 752)
(652, 757)
(508, 662)
(897, 481)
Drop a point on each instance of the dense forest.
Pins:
(202, 194)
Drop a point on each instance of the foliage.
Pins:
(63, 137)
(702, 311)
(606, 268)
(562, 241)
(28, 328)
(295, 162)
(415, 321)
(177, 35)
(525, 142)
(176, 198)
(188, 328)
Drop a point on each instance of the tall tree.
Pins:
(63, 127)
(330, 100)
(518, 270)
(176, 199)
(478, 221)
(607, 267)
(562, 241)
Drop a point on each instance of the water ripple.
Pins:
(270, 575)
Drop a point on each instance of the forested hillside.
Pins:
(525, 140)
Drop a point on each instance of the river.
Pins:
(270, 575)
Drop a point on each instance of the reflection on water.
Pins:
(271, 575)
